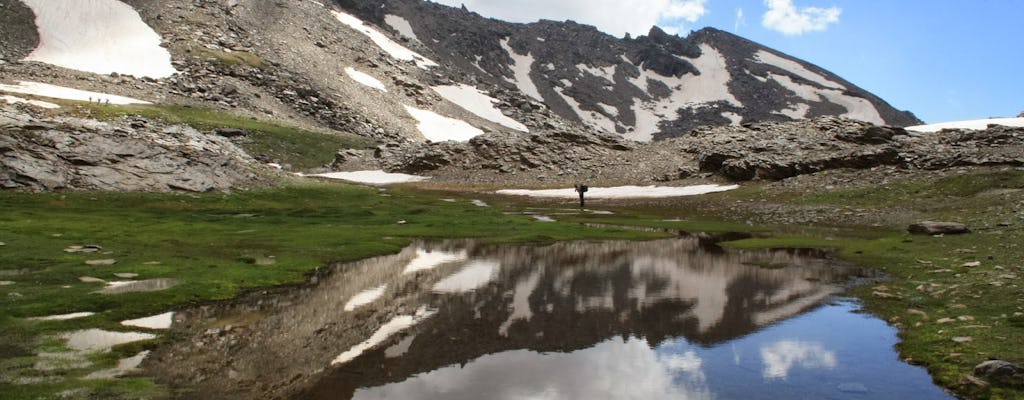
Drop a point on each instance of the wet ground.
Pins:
(675, 318)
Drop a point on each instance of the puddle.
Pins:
(101, 340)
(673, 318)
(161, 321)
(63, 317)
(148, 285)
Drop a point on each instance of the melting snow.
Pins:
(401, 25)
(161, 321)
(795, 111)
(376, 177)
(977, 124)
(427, 260)
(765, 57)
(437, 128)
(396, 50)
(37, 103)
(591, 118)
(734, 119)
(623, 192)
(365, 79)
(395, 325)
(365, 297)
(60, 92)
(521, 66)
(479, 103)
(100, 36)
(687, 91)
(856, 107)
(473, 276)
(63, 317)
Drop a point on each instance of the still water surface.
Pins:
(668, 319)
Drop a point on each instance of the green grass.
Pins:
(301, 148)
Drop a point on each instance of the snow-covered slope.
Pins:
(100, 36)
(977, 124)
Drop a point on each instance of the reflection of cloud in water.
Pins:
(610, 370)
(780, 357)
(473, 276)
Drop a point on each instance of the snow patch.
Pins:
(437, 128)
(101, 340)
(63, 317)
(161, 321)
(99, 36)
(365, 79)
(37, 103)
(478, 102)
(795, 111)
(688, 91)
(375, 177)
(124, 366)
(856, 107)
(401, 25)
(392, 327)
(622, 192)
(765, 57)
(734, 118)
(608, 73)
(60, 92)
(396, 50)
(591, 118)
(521, 66)
(365, 297)
(978, 124)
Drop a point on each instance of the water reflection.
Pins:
(453, 320)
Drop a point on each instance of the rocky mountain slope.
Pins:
(440, 89)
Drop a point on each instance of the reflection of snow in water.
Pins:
(395, 325)
(780, 357)
(521, 302)
(613, 369)
(427, 260)
(473, 276)
(365, 297)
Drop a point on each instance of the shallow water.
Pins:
(677, 318)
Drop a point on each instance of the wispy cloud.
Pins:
(741, 20)
(612, 16)
(784, 17)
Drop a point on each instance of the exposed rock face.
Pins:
(770, 150)
(68, 153)
(17, 32)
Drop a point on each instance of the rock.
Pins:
(89, 248)
(971, 380)
(101, 262)
(971, 264)
(963, 339)
(937, 228)
(230, 132)
(1000, 371)
(126, 275)
(89, 279)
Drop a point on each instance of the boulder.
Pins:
(937, 228)
(1000, 371)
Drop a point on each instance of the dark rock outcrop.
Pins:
(1001, 371)
(938, 228)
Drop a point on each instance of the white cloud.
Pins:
(741, 20)
(784, 17)
(615, 17)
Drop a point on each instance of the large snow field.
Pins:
(100, 36)
(365, 79)
(479, 103)
(37, 103)
(622, 192)
(438, 128)
(395, 50)
(977, 124)
(60, 92)
(372, 177)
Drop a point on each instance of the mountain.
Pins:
(440, 90)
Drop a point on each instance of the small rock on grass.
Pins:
(963, 339)
(105, 261)
(126, 275)
(938, 228)
(89, 279)
(971, 380)
(1001, 371)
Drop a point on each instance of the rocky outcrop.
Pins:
(937, 228)
(1001, 371)
(135, 154)
(768, 151)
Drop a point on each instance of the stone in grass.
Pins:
(126, 275)
(1001, 371)
(89, 279)
(87, 248)
(937, 228)
(105, 261)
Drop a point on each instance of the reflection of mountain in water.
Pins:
(482, 300)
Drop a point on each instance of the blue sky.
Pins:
(943, 60)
